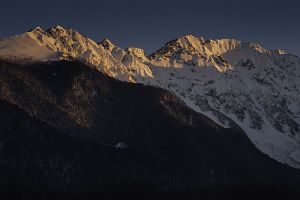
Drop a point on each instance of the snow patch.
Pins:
(120, 145)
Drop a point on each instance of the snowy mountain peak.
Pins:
(138, 53)
(56, 29)
(196, 45)
(279, 52)
(256, 47)
(107, 44)
(221, 46)
(187, 43)
(59, 31)
(37, 29)
(189, 50)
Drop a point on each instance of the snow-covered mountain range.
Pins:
(237, 84)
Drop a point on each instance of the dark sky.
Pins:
(149, 24)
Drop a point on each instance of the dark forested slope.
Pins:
(67, 129)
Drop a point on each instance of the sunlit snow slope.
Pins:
(230, 80)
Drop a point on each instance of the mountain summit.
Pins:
(237, 84)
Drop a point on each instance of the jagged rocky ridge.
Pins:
(67, 129)
(237, 84)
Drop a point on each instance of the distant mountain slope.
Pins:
(237, 84)
(232, 81)
(68, 129)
